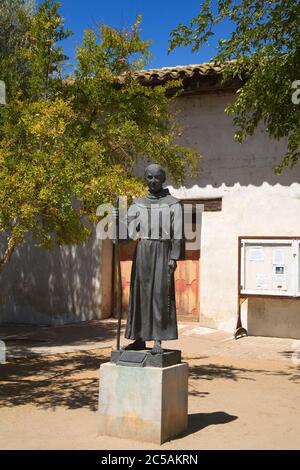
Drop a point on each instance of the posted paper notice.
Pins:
(261, 281)
(257, 254)
(279, 277)
(278, 257)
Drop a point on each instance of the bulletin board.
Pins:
(269, 266)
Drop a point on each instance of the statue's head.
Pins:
(155, 176)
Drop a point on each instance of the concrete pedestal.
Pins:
(143, 403)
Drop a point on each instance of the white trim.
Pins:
(243, 251)
(295, 264)
(268, 292)
(297, 268)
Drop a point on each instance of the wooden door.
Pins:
(187, 290)
(186, 283)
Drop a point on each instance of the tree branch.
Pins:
(7, 254)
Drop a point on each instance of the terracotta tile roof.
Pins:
(196, 78)
(154, 76)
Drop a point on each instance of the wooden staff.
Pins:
(118, 272)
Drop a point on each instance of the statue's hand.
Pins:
(115, 217)
(172, 265)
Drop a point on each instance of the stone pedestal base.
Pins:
(143, 403)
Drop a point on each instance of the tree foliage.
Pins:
(264, 51)
(15, 16)
(69, 142)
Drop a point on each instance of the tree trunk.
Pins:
(7, 254)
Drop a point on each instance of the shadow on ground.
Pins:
(204, 372)
(198, 421)
(65, 380)
(216, 371)
(71, 380)
(293, 354)
(20, 338)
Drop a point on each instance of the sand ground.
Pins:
(241, 396)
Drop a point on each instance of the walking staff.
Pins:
(118, 272)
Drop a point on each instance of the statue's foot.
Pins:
(137, 345)
(157, 349)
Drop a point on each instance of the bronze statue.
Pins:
(152, 308)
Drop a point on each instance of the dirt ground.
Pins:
(50, 402)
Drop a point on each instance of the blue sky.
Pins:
(159, 18)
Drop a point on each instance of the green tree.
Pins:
(77, 138)
(15, 17)
(45, 55)
(264, 51)
(128, 119)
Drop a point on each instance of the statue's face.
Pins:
(154, 178)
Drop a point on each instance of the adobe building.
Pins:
(242, 198)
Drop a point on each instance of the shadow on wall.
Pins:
(207, 129)
(252, 163)
(52, 287)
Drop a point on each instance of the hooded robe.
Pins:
(156, 221)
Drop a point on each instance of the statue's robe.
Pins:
(159, 230)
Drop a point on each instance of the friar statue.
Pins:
(157, 222)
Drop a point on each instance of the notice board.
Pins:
(270, 266)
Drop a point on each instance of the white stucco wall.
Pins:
(255, 202)
(65, 285)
